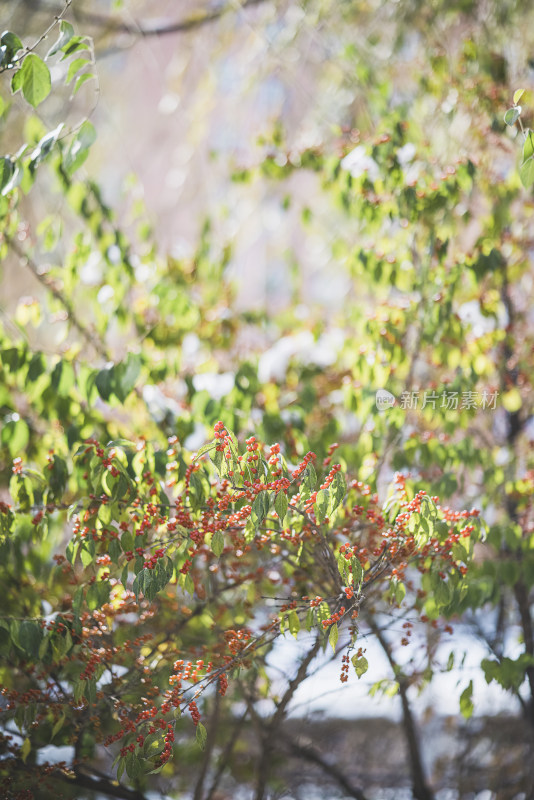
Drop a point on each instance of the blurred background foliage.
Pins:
(287, 207)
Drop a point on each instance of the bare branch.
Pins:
(312, 754)
(420, 788)
(31, 265)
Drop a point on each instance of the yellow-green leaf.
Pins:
(361, 665)
(34, 77)
(333, 636)
(25, 749)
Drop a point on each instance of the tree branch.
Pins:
(147, 28)
(270, 731)
(224, 759)
(311, 754)
(30, 264)
(102, 785)
(420, 788)
(210, 744)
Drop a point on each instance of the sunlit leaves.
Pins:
(293, 623)
(512, 115)
(333, 636)
(360, 664)
(66, 32)
(10, 46)
(281, 506)
(7, 168)
(78, 149)
(33, 80)
(466, 701)
(526, 170)
(321, 504)
(118, 379)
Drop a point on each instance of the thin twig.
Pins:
(31, 265)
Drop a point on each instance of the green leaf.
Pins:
(11, 45)
(127, 541)
(104, 381)
(16, 81)
(86, 557)
(321, 504)
(35, 83)
(87, 76)
(281, 506)
(217, 543)
(44, 147)
(518, 94)
(58, 476)
(466, 701)
(7, 168)
(293, 622)
(30, 635)
(43, 647)
(25, 749)
(90, 690)
(77, 601)
(120, 768)
(75, 66)
(526, 173)
(338, 490)
(201, 736)
(512, 115)
(260, 507)
(400, 592)
(361, 665)
(134, 766)
(66, 32)
(205, 449)
(333, 636)
(74, 45)
(310, 477)
(528, 146)
(97, 595)
(57, 726)
(357, 571)
(125, 376)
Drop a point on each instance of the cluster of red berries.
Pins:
(167, 750)
(334, 618)
(274, 460)
(195, 713)
(344, 669)
(151, 562)
(328, 458)
(91, 666)
(239, 516)
(223, 684)
(254, 456)
(303, 464)
(237, 640)
(331, 475)
(17, 466)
